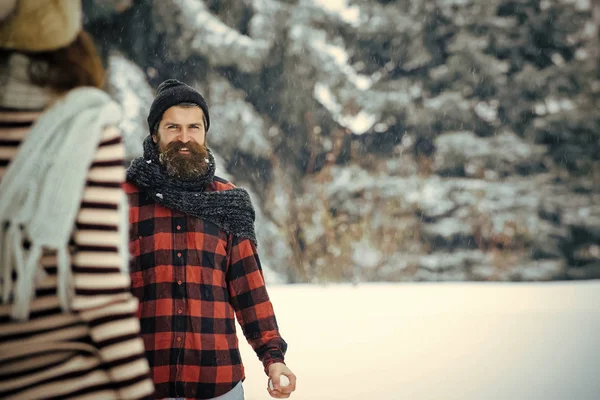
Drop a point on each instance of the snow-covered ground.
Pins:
(438, 341)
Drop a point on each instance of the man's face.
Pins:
(182, 143)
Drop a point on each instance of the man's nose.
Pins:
(185, 136)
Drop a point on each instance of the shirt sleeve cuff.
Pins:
(273, 356)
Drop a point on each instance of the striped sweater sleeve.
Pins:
(102, 291)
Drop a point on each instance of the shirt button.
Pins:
(179, 282)
(139, 237)
(179, 311)
(178, 227)
(178, 254)
(179, 339)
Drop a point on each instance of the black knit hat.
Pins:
(170, 93)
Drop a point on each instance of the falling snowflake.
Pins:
(148, 161)
(159, 195)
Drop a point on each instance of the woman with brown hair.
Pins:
(67, 318)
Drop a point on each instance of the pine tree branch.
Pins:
(194, 30)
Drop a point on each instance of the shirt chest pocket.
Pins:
(211, 254)
(206, 246)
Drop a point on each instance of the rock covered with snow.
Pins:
(504, 154)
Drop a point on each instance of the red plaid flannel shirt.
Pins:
(191, 278)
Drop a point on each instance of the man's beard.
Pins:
(184, 166)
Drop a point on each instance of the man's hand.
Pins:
(276, 370)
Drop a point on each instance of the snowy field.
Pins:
(438, 341)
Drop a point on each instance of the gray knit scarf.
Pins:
(231, 210)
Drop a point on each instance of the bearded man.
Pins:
(195, 265)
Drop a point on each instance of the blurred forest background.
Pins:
(382, 140)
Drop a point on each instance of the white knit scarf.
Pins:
(42, 192)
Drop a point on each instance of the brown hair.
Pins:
(75, 65)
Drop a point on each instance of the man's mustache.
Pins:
(178, 145)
